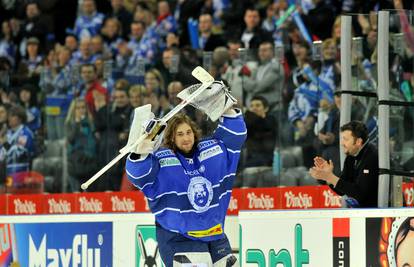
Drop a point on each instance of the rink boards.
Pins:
(359, 237)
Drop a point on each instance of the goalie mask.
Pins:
(213, 101)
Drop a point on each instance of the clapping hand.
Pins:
(323, 170)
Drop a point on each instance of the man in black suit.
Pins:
(207, 40)
(359, 177)
(253, 35)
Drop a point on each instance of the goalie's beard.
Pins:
(189, 154)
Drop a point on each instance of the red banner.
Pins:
(328, 198)
(3, 204)
(300, 197)
(260, 199)
(93, 203)
(296, 197)
(235, 201)
(133, 201)
(25, 204)
(122, 202)
(60, 203)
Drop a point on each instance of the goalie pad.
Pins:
(214, 101)
(192, 259)
(227, 261)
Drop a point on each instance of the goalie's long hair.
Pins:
(172, 128)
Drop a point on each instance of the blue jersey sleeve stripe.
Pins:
(224, 177)
(225, 193)
(166, 209)
(138, 177)
(167, 193)
(233, 151)
(197, 211)
(145, 185)
(232, 132)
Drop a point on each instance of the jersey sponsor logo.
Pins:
(192, 173)
(164, 153)
(207, 143)
(215, 230)
(200, 193)
(167, 162)
(211, 152)
(78, 244)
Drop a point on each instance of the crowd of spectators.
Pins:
(71, 73)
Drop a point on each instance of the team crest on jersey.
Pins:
(171, 161)
(200, 193)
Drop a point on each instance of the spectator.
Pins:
(89, 23)
(275, 11)
(208, 41)
(302, 113)
(35, 25)
(91, 87)
(84, 54)
(185, 10)
(71, 42)
(301, 56)
(146, 16)
(7, 47)
(165, 23)
(260, 143)
(233, 18)
(267, 80)
(174, 66)
(122, 15)
(58, 84)
(330, 70)
(359, 178)
(98, 49)
(252, 36)
(154, 83)
(336, 31)
(135, 94)
(3, 131)
(28, 100)
(234, 66)
(320, 19)
(112, 125)
(29, 67)
(3, 119)
(17, 146)
(137, 34)
(104, 74)
(140, 50)
(156, 107)
(174, 88)
(220, 61)
(111, 34)
(172, 40)
(79, 129)
(329, 135)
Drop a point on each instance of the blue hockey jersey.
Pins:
(190, 196)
